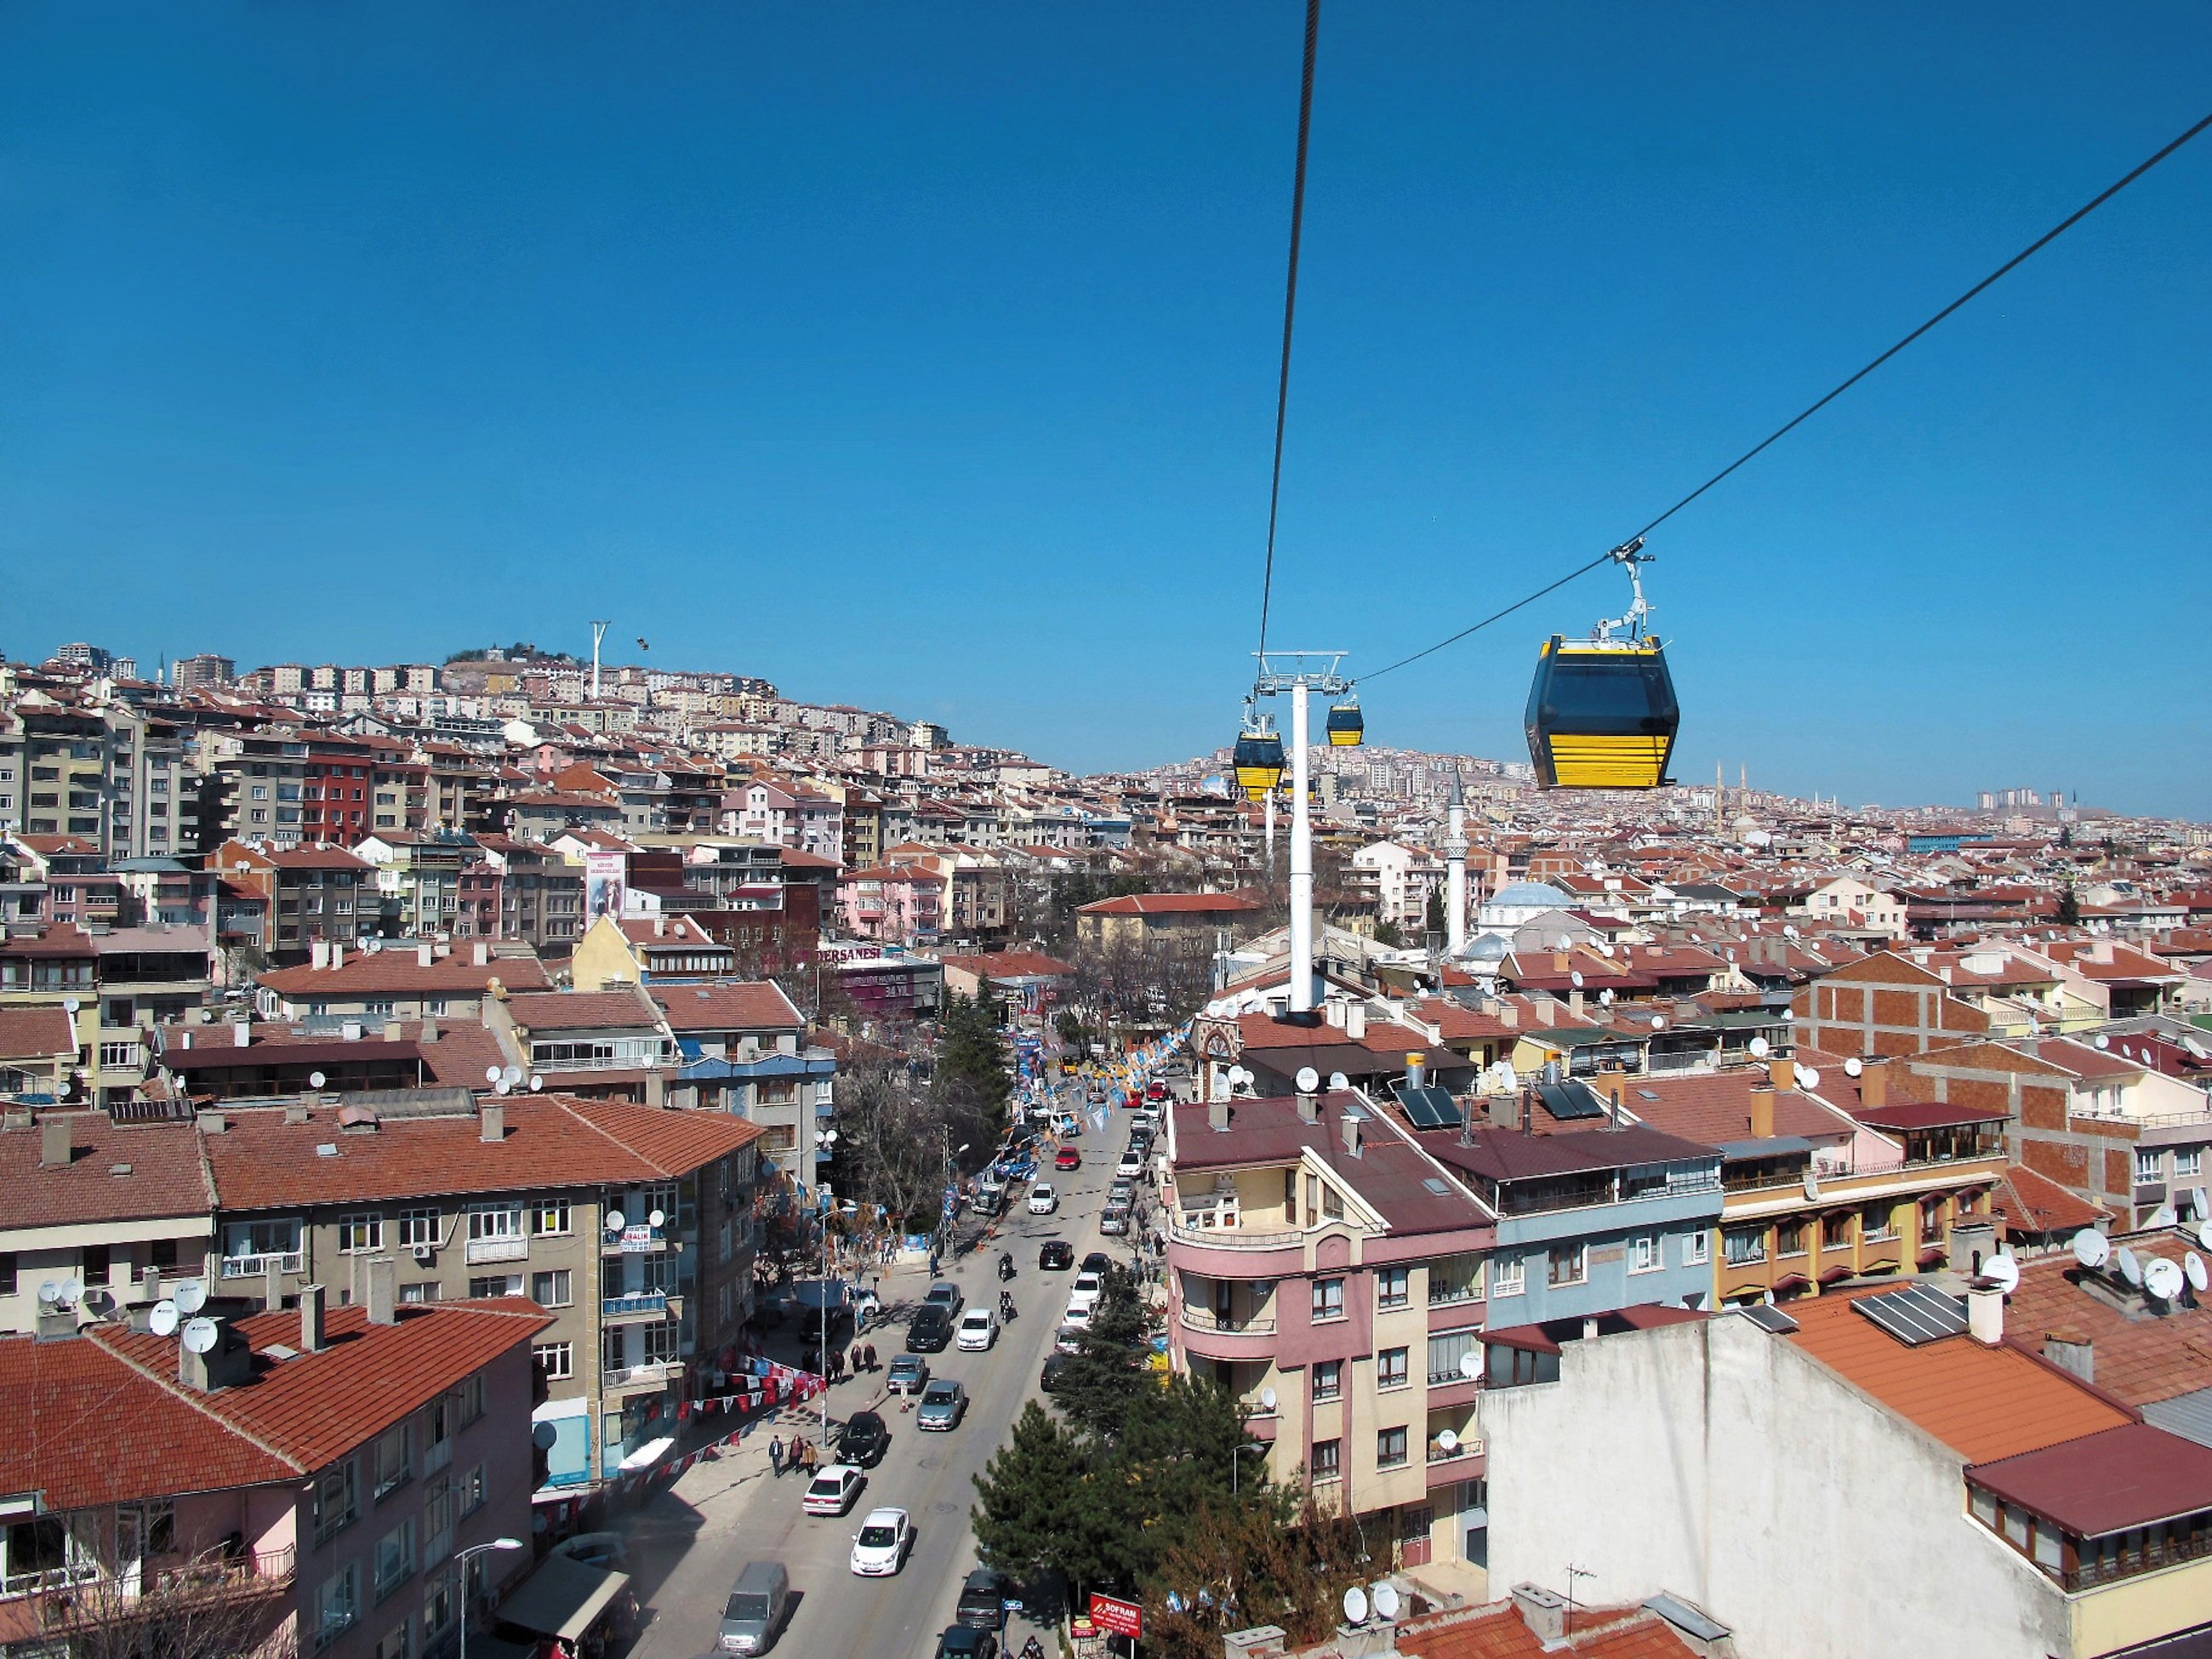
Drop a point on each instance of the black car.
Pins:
(863, 1440)
(1097, 1262)
(1056, 1256)
(931, 1330)
(1054, 1363)
(982, 1604)
(966, 1641)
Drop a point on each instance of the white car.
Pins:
(1079, 1315)
(978, 1329)
(1042, 1200)
(1132, 1164)
(1086, 1293)
(832, 1490)
(879, 1548)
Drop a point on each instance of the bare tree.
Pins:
(224, 1602)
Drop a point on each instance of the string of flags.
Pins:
(769, 1384)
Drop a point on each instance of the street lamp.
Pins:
(828, 1137)
(461, 1560)
(1236, 1467)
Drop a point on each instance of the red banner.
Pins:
(1120, 1617)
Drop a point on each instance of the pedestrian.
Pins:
(776, 1456)
(858, 1367)
(872, 1356)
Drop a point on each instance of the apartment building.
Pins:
(1399, 880)
(640, 950)
(742, 1050)
(632, 1227)
(418, 879)
(519, 890)
(306, 1485)
(1327, 1271)
(408, 983)
(106, 775)
(308, 896)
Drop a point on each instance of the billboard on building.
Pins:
(606, 884)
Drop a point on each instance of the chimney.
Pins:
(1762, 1111)
(1985, 1313)
(1528, 1111)
(1873, 1084)
(492, 1122)
(2072, 1351)
(1559, 961)
(1355, 1021)
(1545, 1612)
(1333, 1012)
(1504, 1110)
(311, 1319)
(298, 1111)
(1351, 1123)
(391, 1031)
(425, 953)
(1216, 1114)
(659, 926)
(1781, 1073)
(337, 955)
(318, 954)
(1510, 1016)
(656, 1087)
(212, 1123)
(272, 1285)
(1261, 1642)
(429, 1031)
(1973, 1243)
(1308, 1109)
(55, 1152)
(241, 1034)
(481, 955)
(1575, 1002)
(383, 1309)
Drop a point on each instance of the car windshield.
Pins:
(746, 1604)
(826, 1486)
(875, 1538)
(864, 1423)
(938, 1393)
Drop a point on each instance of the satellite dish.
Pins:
(2204, 1232)
(1812, 1184)
(1307, 1080)
(656, 1218)
(71, 1005)
(1575, 978)
(2162, 1278)
(50, 1293)
(374, 945)
(1854, 1066)
(2004, 1272)
(199, 1336)
(2091, 1248)
(1508, 1079)
(162, 1320)
(1809, 1079)
(491, 1074)
(1355, 1606)
(544, 1436)
(536, 1084)
(1760, 1048)
(1789, 930)
(1338, 1081)
(1267, 1400)
(2199, 1280)
(1384, 1599)
(511, 1076)
(1658, 1022)
(502, 1087)
(614, 1221)
(1447, 1442)
(2130, 1267)
(1470, 1366)
(1605, 998)
(72, 1291)
(315, 1079)
(2103, 1042)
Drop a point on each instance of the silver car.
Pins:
(944, 1403)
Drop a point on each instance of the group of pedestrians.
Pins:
(863, 1359)
(800, 1456)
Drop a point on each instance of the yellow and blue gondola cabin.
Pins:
(1257, 760)
(1346, 727)
(1602, 714)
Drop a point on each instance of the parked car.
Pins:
(1055, 1255)
(944, 1403)
(944, 1294)
(929, 1331)
(759, 1603)
(1114, 1221)
(832, 1490)
(966, 1641)
(983, 1602)
(1155, 1090)
(1044, 1201)
(1087, 1289)
(1097, 1262)
(1067, 1158)
(910, 1374)
(1054, 1363)
(879, 1548)
(864, 1439)
(978, 1329)
(1132, 1164)
(1078, 1316)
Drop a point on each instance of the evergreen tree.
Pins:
(1027, 1496)
(1109, 1373)
(2069, 907)
(1434, 922)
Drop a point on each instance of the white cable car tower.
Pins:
(1299, 674)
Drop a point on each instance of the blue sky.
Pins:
(924, 357)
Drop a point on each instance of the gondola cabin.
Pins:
(1257, 760)
(1347, 728)
(1602, 714)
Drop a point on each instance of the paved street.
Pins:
(689, 1542)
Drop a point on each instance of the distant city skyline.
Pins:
(928, 360)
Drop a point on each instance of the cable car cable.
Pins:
(1811, 410)
(1290, 308)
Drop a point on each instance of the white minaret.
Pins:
(1456, 871)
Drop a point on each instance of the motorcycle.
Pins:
(1032, 1649)
(1006, 1307)
(1006, 1265)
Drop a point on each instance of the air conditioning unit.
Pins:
(424, 1254)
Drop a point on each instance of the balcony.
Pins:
(641, 1376)
(1230, 1237)
(496, 1250)
(259, 1572)
(635, 1307)
(1205, 1319)
(258, 1266)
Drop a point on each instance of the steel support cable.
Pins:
(1814, 408)
(1290, 309)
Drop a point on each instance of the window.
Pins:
(442, 1600)
(1329, 1298)
(417, 1227)
(1877, 1222)
(662, 1342)
(2149, 1161)
(392, 1463)
(557, 1359)
(614, 1348)
(1741, 1246)
(425, 1290)
(395, 1558)
(1836, 1232)
(1449, 1353)
(1455, 1279)
(1508, 1275)
(1329, 1379)
(6, 1272)
(494, 1223)
(550, 1290)
(395, 1645)
(1569, 1264)
(473, 1490)
(468, 1400)
(1328, 1460)
(1790, 1238)
(1644, 1254)
(361, 1235)
(117, 1056)
(499, 1284)
(1697, 1249)
(94, 1263)
(337, 1604)
(551, 1217)
(1332, 1203)
(1393, 1287)
(2188, 1162)
(334, 1503)
(1390, 1448)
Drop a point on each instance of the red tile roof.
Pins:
(1497, 1631)
(584, 1010)
(1714, 1108)
(754, 1005)
(1169, 904)
(2026, 1202)
(36, 1033)
(166, 1178)
(2138, 1360)
(401, 972)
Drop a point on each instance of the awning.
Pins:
(1791, 1282)
(1830, 1275)
(1932, 1253)
(563, 1599)
(647, 1454)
